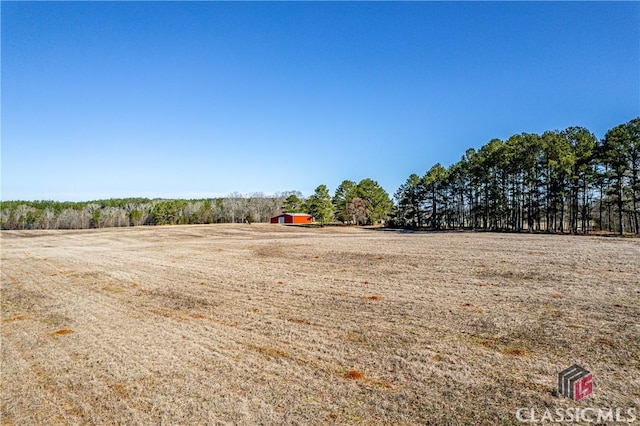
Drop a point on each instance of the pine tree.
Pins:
(319, 205)
(344, 194)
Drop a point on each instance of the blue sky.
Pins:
(168, 99)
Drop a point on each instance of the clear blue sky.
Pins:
(169, 99)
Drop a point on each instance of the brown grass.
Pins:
(61, 332)
(16, 318)
(195, 325)
(273, 352)
(353, 375)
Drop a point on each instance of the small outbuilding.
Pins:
(292, 218)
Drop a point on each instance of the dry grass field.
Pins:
(267, 324)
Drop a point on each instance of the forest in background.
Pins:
(559, 181)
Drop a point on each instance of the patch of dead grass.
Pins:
(113, 289)
(299, 321)
(16, 318)
(353, 375)
(61, 332)
(515, 352)
(602, 341)
(270, 351)
(355, 337)
(383, 384)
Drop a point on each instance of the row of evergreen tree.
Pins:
(560, 181)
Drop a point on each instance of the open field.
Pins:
(248, 324)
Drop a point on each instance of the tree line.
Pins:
(559, 181)
(362, 203)
(234, 208)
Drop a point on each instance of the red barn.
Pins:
(292, 218)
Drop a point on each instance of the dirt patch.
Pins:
(353, 375)
(61, 332)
